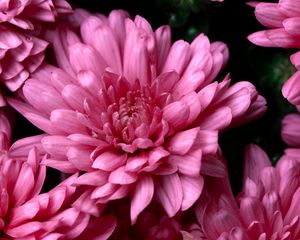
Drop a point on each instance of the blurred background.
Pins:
(231, 22)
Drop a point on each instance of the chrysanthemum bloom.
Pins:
(283, 19)
(134, 113)
(268, 206)
(28, 214)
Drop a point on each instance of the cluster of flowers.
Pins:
(131, 122)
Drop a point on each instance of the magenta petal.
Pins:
(191, 188)
(291, 25)
(67, 121)
(291, 89)
(176, 114)
(208, 141)
(83, 57)
(269, 15)
(261, 39)
(24, 185)
(169, 193)
(24, 212)
(24, 229)
(181, 142)
(156, 154)
(109, 161)
(56, 145)
(80, 157)
(290, 130)
(218, 119)
(163, 39)
(255, 160)
(188, 164)
(141, 197)
(122, 177)
(94, 178)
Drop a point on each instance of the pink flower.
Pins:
(268, 205)
(28, 214)
(136, 114)
(26, 13)
(283, 20)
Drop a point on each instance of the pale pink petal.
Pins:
(141, 196)
(169, 193)
(255, 160)
(182, 142)
(109, 161)
(191, 188)
(121, 176)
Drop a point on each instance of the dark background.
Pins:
(231, 22)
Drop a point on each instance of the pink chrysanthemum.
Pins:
(28, 214)
(268, 206)
(284, 20)
(26, 13)
(134, 113)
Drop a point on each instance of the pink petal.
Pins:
(24, 184)
(176, 114)
(67, 121)
(156, 154)
(56, 146)
(80, 157)
(269, 15)
(24, 229)
(192, 100)
(74, 96)
(189, 82)
(217, 120)
(191, 188)
(141, 197)
(94, 178)
(163, 39)
(291, 25)
(182, 142)
(261, 39)
(213, 166)
(24, 212)
(208, 141)
(135, 163)
(291, 89)
(178, 57)
(289, 7)
(136, 60)
(290, 130)
(255, 160)
(62, 165)
(122, 177)
(189, 164)
(109, 161)
(83, 57)
(169, 193)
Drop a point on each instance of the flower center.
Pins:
(130, 120)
